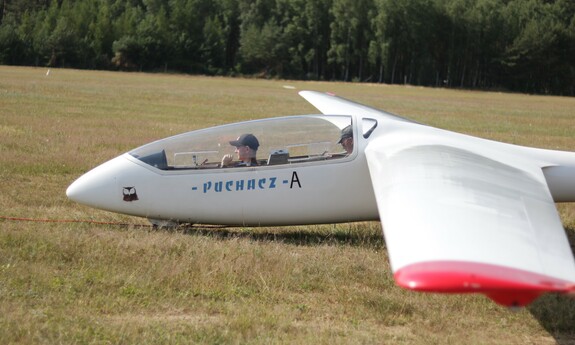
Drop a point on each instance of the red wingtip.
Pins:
(506, 286)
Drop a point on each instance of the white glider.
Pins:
(460, 214)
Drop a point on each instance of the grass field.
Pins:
(85, 283)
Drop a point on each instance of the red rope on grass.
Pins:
(20, 219)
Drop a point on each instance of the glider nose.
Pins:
(98, 188)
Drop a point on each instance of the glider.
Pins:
(459, 214)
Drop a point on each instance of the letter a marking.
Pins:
(294, 179)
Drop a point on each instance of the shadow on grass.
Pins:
(556, 313)
(341, 234)
(570, 231)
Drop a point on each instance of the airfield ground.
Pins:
(90, 283)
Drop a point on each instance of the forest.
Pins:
(511, 45)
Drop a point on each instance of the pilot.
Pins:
(346, 139)
(246, 148)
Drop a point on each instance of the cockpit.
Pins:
(282, 140)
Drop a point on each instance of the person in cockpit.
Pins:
(246, 147)
(346, 139)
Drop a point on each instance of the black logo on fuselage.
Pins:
(130, 194)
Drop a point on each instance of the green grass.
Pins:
(331, 284)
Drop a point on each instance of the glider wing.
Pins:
(333, 105)
(462, 215)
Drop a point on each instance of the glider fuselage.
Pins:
(311, 186)
(321, 191)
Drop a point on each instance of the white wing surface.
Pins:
(333, 105)
(462, 214)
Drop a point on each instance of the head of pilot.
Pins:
(246, 147)
(346, 139)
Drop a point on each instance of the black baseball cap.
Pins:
(248, 140)
(347, 132)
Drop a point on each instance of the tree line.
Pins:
(519, 45)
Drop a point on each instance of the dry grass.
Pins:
(99, 284)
